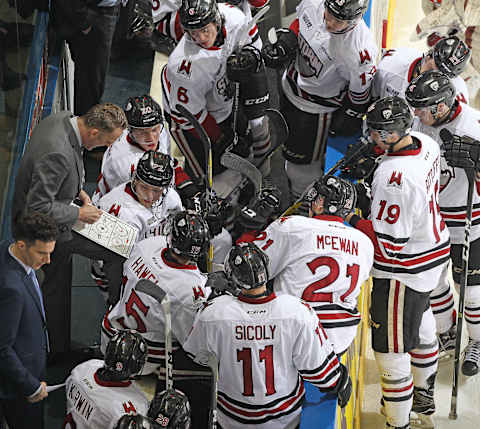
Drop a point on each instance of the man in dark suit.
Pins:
(50, 177)
(23, 335)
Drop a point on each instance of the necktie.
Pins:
(33, 276)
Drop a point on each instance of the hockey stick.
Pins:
(156, 292)
(207, 146)
(345, 160)
(461, 296)
(213, 364)
(278, 125)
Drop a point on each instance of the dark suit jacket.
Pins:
(71, 16)
(23, 340)
(50, 173)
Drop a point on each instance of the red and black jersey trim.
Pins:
(325, 376)
(247, 413)
(336, 316)
(455, 217)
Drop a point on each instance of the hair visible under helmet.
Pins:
(390, 115)
(247, 266)
(429, 89)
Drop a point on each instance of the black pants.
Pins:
(21, 414)
(57, 285)
(91, 54)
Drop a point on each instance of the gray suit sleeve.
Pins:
(48, 177)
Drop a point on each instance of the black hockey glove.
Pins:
(461, 152)
(363, 160)
(279, 54)
(347, 120)
(364, 198)
(187, 190)
(214, 211)
(262, 210)
(170, 408)
(220, 285)
(343, 388)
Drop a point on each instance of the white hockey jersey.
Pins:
(324, 262)
(196, 77)
(453, 181)
(93, 404)
(328, 64)
(184, 285)
(396, 70)
(413, 240)
(123, 202)
(265, 347)
(119, 162)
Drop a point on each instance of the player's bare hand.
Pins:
(84, 197)
(40, 395)
(87, 30)
(89, 214)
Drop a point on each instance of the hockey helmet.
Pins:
(451, 55)
(155, 169)
(390, 115)
(125, 355)
(347, 10)
(171, 408)
(143, 112)
(136, 421)
(339, 195)
(429, 89)
(188, 234)
(195, 14)
(246, 266)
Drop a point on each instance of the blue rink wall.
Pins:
(319, 410)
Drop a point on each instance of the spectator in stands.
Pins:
(88, 27)
(23, 338)
(51, 176)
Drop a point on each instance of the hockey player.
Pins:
(266, 346)
(320, 260)
(136, 421)
(400, 65)
(100, 392)
(145, 132)
(166, 15)
(172, 263)
(220, 48)
(331, 55)
(431, 94)
(412, 248)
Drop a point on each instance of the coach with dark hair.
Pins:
(23, 332)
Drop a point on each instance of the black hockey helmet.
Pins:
(188, 234)
(429, 89)
(195, 14)
(125, 355)
(143, 112)
(451, 55)
(246, 266)
(171, 407)
(155, 169)
(347, 10)
(390, 115)
(339, 195)
(136, 421)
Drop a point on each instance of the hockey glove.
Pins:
(220, 285)
(258, 214)
(364, 198)
(170, 408)
(461, 152)
(363, 159)
(279, 54)
(347, 120)
(214, 211)
(343, 388)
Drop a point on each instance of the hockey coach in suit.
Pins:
(51, 176)
(23, 334)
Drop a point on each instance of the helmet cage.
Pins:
(247, 266)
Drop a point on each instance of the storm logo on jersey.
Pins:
(308, 63)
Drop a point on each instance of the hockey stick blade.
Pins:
(151, 289)
(244, 166)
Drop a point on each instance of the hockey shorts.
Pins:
(396, 312)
